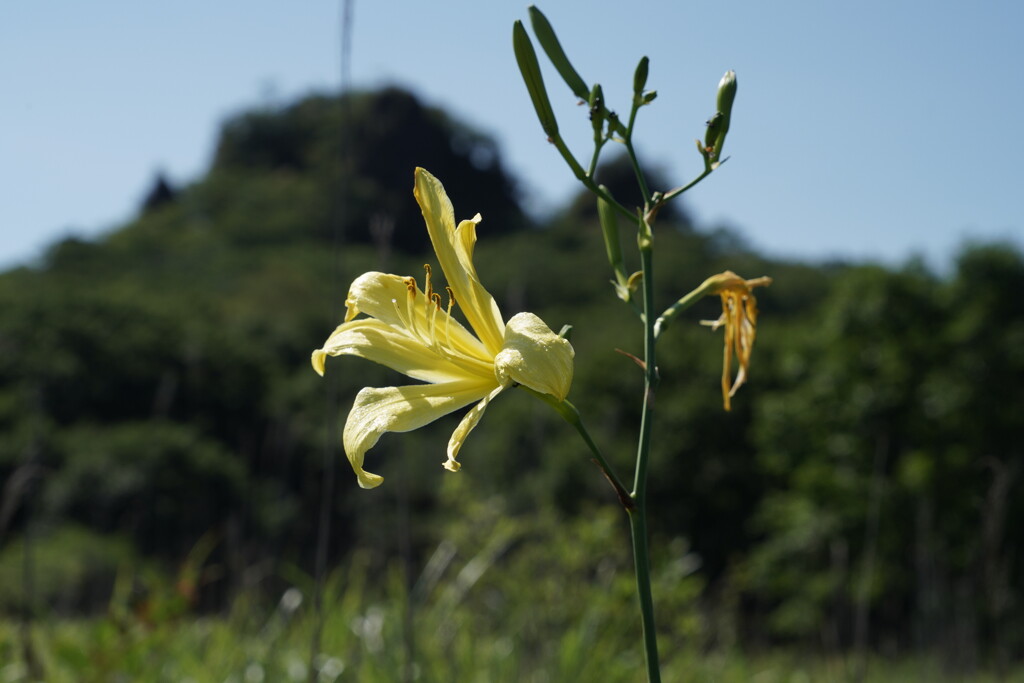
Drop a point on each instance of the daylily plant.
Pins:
(407, 329)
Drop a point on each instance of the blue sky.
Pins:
(872, 130)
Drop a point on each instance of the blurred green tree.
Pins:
(155, 389)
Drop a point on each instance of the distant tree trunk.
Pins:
(995, 568)
(862, 610)
(832, 636)
(928, 589)
(963, 645)
(382, 230)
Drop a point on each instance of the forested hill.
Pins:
(157, 401)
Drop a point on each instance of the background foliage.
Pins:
(165, 446)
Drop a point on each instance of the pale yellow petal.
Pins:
(454, 249)
(318, 361)
(397, 349)
(386, 297)
(489, 326)
(469, 421)
(400, 409)
(534, 356)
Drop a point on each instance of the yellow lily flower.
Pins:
(739, 315)
(406, 329)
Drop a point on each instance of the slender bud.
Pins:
(610, 229)
(727, 92)
(640, 77)
(714, 124)
(553, 49)
(526, 58)
(718, 126)
(597, 111)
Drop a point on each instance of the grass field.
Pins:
(353, 649)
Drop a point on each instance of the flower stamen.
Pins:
(428, 288)
(410, 286)
(398, 310)
(448, 320)
(436, 299)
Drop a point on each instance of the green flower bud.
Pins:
(549, 43)
(718, 125)
(526, 58)
(597, 110)
(610, 230)
(727, 92)
(640, 77)
(714, 124)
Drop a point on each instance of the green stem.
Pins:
(569, 413)
(641, 181)
(605, 195)
(641, 558)
(635, 503)
(671, 194)
(638, 515)
(598, 144)
(563, 149)
(678, 307)
(628, 140)
(585, 178)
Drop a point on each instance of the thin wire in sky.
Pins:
(331, 393)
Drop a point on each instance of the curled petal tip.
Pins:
(368, 480)
(319, 356)
(451, 465)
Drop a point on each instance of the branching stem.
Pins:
(638, 515)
